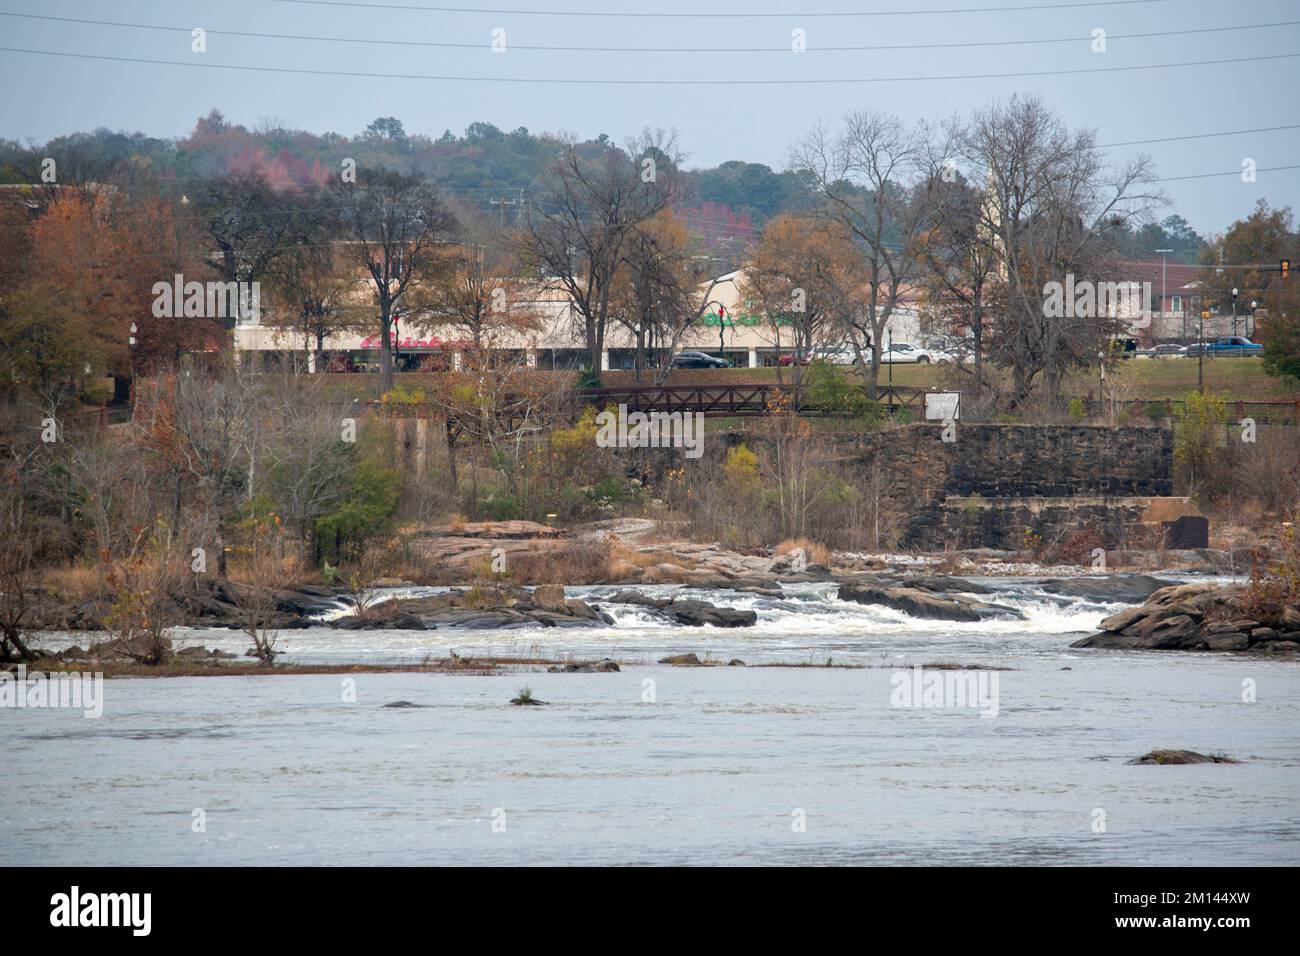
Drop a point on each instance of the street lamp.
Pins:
(131, 343)
(1234, 311)
(1250, 327)
(1164, 267)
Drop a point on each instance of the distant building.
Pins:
(729, 327)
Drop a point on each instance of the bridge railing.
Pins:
(736, 401)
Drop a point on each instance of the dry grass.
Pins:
(575, 561)
(74, 584)
(813, 552)
(648, 559)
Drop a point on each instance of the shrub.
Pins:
(1200, 445)
(1274, 587)
(826, 388)
(1078, 548)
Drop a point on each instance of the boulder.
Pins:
(1117, 622)
(912, 602)
(701, 613)
(1170, 757)
(627, 596)
(1227, 642)
(549, 597)
(1112, 589)
(1284, 648)
(681, 660)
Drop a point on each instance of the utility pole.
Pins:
(1164, 269)
(503, 202)
(1200, 355)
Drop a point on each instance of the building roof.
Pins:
(1178, 279)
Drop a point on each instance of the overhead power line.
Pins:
(606, 81)
(720, 15)
(1173, 139)
(536, 48)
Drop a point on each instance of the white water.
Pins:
(710, 771)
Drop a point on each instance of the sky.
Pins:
(722, 73)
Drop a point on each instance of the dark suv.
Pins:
(698, 360)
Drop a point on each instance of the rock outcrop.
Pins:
(930, 598)
(1197, 617)
(687, 612)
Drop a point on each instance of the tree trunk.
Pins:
(385, 349)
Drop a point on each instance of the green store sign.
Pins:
(711, 318)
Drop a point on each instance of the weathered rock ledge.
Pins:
(545, 605)
(1199, 617)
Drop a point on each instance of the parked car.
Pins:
(903, 352)
(1233, 345)
(789, 358)
(839, 355)
(698, 360)
(1162, 351)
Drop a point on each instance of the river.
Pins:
(675, 765)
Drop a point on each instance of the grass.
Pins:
(1240, 379)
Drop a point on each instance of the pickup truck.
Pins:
(1227, 345)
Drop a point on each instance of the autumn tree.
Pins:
(1280, 331)
(662, 288)
(806, 276)
(1247, 256)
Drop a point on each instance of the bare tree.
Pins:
(316, 286)
(576, 236)
(866, 175)
(1051, 209)
(207, 419)
(395, 226)
(250, 223)
(961, 261)
(18, 593)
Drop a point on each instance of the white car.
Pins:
(1162, 351)
(902, 352)
(840, 355)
